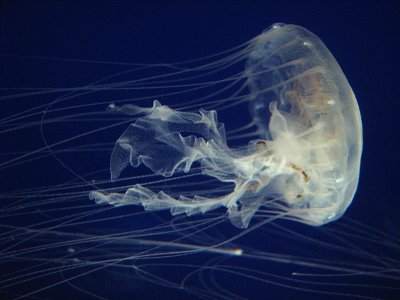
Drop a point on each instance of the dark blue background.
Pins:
(363, 36)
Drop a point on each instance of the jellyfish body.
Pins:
(305, 164)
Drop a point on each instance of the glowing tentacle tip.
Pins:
(237, 252)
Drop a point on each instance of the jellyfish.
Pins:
(305, 163)
(209, 159)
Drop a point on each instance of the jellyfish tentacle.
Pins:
(157, 140)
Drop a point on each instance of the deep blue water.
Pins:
(37, 39)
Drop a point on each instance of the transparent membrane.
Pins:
(201, 163)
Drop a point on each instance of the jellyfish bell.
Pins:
(311, 147)
(315, 119)
(296, 159)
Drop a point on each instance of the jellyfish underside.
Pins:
(303, 167)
